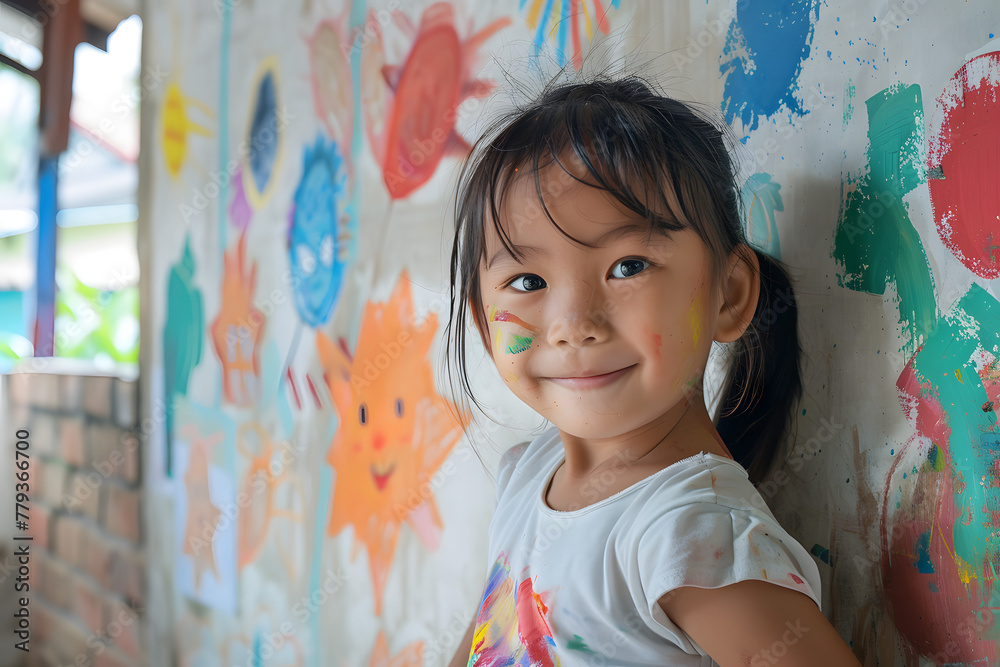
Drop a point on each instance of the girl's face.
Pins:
(645, 312)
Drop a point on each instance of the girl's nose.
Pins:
(578, 318)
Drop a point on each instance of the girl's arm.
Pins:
(461, 658)
(754, 623)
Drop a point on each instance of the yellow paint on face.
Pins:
(695, 318)
(514, 343)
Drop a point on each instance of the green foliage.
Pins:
(92, 323)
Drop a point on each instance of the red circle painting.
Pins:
(964, 165)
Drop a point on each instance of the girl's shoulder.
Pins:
(528, 455)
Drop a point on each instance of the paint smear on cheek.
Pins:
(509, 342)
(657, 344)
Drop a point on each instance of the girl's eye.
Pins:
(632, 267)
(526, 279)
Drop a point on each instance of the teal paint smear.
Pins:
(358, 9)
(875, 241)
(849, 92)
(270, 375)
(577, 644)
(518, 343)
(923, 562)
(257, 662)
(762, 199)
(227, 24)
(973, 322)
(319, 532)
(182, 338)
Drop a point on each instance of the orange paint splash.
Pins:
(395, 431)
(238, 329)
(411, 656)
(202, 516)
(260, 484)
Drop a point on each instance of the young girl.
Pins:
(601, 251)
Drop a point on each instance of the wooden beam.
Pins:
(62, 32)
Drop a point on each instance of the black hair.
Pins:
(668, 162)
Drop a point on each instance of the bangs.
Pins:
(589, 141)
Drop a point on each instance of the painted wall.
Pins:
(312, 497)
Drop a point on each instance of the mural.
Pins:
(566, 19)
(395, 431)
(415, 128)
(317, 498)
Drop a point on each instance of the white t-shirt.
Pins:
(582, 587)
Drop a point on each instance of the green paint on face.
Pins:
(945, 366)
(577, 644)
(517, 343)
(875, 242)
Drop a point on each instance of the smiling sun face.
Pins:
(395, 431)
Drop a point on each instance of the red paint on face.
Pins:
(966, 200)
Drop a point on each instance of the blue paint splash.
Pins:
(264, 133)
(313, 237)
(766, 44)
(227, 28)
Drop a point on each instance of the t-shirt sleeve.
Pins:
(505, 469)
(709, 545)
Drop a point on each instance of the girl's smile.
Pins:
(589, 380)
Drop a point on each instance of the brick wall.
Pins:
(88, 562)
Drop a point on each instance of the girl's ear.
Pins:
(740, 292)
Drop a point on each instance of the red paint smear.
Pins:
(995, 474)
(505, 316)
(432, 82)
(795, 578)
(295, 391)
(966, 201)
(312, 388)
(602, 17)
(659, 343)
(930, 418)
(941, 623)
(990, 375)
(574, 9)
(531, 626)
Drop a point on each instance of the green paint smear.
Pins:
(849, 91)
(970, 324)
(935, 461)
(875, 241)
(577, 644)
(762, 199)
(518, 343)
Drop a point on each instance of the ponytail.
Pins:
(752, 420)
